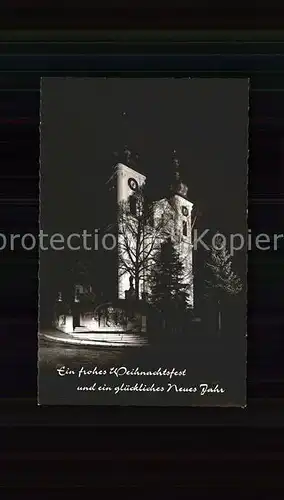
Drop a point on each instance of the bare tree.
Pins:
(188, 276)
(142, 226)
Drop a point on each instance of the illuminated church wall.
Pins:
(176, 214)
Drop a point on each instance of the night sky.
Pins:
(84, 122)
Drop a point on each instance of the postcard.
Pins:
(143, 241)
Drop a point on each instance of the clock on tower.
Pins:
(132, 183)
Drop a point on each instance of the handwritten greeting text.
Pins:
(169, 381)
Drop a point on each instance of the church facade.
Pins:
(141, 231)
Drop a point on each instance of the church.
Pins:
(141, 230)
(141, 224)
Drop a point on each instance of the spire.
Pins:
(127, 154)
(176, 164)
(178, 186)
(130, 159)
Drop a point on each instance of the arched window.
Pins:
(133, 206)
(184, 228)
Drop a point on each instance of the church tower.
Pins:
(183, 226)
(175, 209)
(129, 181)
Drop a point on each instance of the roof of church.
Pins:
(130, 166)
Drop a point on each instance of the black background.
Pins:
(20, 191)
(19, 153)
(149, 15)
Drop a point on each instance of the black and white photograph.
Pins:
(143, 241)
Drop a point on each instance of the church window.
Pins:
(184, 228)
(132, 206)
(139, 206)
(184, 211)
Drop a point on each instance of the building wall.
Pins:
(174, 218)
(183, 243)
(64, 323)
(124, 191)
(92, 323)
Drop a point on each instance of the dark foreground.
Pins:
(204, 365)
